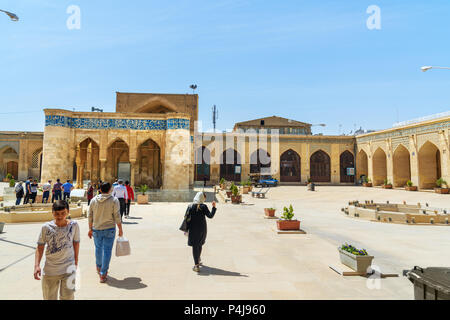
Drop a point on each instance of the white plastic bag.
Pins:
(122, 247)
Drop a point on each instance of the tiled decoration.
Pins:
(132, 124)
(406, 132)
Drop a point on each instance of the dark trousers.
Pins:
(45, 196)
(33, 197)
(18, 199)
(122, 206)
(66, 195)
(27, 197)
(127, 208)
(56, 195)
(196, 252)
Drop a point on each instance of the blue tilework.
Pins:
(133, 124)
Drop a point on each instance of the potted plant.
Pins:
(269, 212)
(442, 186)
(387, 184)
(358, 260)
(8, 177)
(244, 186)
(367, 182)
(142, 198)
(230, 191)
(222, 183)
(249, 185)
(310, 185)
(12, 183)
(410, 186)
(286, 222)
(235, 197)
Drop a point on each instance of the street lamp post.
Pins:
(426, 68)
(11, 15)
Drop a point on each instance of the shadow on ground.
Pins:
(211, 196)
(131, 283)
(207, 271)
(134, 218)
(124, 222)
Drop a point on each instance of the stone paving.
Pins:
(244, 258)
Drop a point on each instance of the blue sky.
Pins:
(312, 61)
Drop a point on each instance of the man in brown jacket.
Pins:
(103, 217)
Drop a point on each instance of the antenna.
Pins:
(193, 87)
(93, 109)
(215, 116)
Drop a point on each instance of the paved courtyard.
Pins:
(244, 258)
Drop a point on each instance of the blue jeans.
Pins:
(104, 241)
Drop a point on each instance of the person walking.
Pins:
(120, 192)
(62, 238)
(90, 193)
(27, 191)
(34, 189)
(103, 218)
(130, 193)
(194, 225)
(57, 189)
(67, 187)
(19, 192)
(46, 187)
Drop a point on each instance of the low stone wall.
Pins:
(35, 213)
(171, 195)
(398, 213)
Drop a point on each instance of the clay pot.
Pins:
(236, 199)
(442, 190)
(269, 212)
(387, 186)
(288, 224)
(367, 184)
(142, 199)
(229, 193)
(412, 188)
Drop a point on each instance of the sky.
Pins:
(311, 61)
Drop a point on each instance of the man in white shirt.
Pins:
(120, 192)
(46, 189)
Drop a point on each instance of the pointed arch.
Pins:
(362, 164)
(118, 161)
(290, 163)
(260, 162)
(401, 166)
(429, 165)
(320, 164)
(346, 160)
(230, 165)
(148, 165)
(202, 166)
(379, 164)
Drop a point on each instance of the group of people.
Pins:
(61, 236)
(30, 190)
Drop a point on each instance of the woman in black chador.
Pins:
(194, 224)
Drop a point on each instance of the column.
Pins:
(414, 160)
(132, 172)
(390, 161)
(102, 169)
(335, 164)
